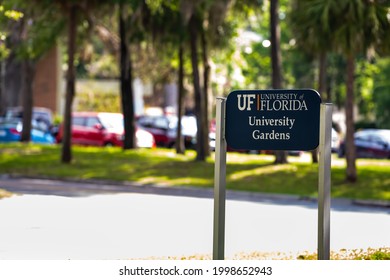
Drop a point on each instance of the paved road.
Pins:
(69, 220)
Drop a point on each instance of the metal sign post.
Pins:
(219, 182)
(324, 181)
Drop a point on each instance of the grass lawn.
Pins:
(162, 166)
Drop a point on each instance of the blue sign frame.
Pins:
(281, 119)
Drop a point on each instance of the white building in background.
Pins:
(138, 91)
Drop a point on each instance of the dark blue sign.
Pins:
(273, 119)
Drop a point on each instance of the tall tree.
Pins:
(36, 32)
(356, 27)
(200, 111)
(66, 155)
(307, 20)
(191, 16)
(180, 147)
(127, 98)
(11, 31)
(361, 25)
(206, 78)
(203, 19)
(73, 11)
(166, 28)
(276, 61)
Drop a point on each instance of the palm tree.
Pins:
(307, 19)
(355, 26)
(361, 25)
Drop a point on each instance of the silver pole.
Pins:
(219, 182)
(324, 182)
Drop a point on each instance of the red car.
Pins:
(103, 129)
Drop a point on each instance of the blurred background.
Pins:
(172, 58)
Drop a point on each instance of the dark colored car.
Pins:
(164, 129)
(103, 129)
(370, 143)
(39, 114)
(11, 130)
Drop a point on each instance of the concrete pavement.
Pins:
(95, 221)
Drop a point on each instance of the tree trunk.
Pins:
(2, 91)
(126, 82)
(276, 58)
(13, 66)
(350, 151)
(322, 76)
(276, 55)
(322, 90)
(199, 111)
(206, 78)
(180, 148)
(66, 156)
(28, 71)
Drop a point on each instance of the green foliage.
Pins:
(364, 82)
(103, 66)
(257, 69)
(381, 93)
(39, 27)
(10, 13)
(365, 124)
(346, 27)
(6, 14)
(379, 255)
(98, 102)
(356, 254)
(336, 79)
(4, 52)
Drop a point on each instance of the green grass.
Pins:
(254, 173)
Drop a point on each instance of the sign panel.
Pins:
(273, 119)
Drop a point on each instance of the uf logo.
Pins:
(245, 101)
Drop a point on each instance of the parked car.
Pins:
(370, 143)
(11, 130)
(335, 138)
(164, 129)
(103, 129)
(38, 113)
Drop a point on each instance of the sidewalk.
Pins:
(74, 188)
